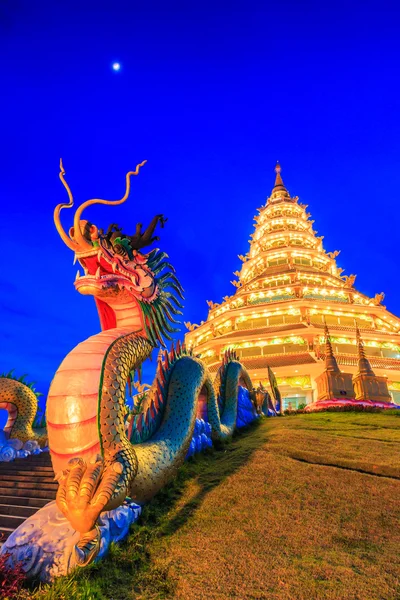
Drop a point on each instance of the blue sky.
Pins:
(211, 94)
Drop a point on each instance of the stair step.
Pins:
(32, 460)
(16, 510)
(8, 529)
(28, 493)
(26, 485)
(22, 469)
(11, 521)
(34, 502)
(30, 485)
(25, 462)
(41, 479)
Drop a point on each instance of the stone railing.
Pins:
(376, 362)
(344, 327)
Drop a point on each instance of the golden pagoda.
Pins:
(288, 290)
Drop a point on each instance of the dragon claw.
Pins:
(88, 547)
(85, 490)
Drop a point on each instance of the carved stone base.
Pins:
(44, 543)
(371, 387)
(332, 384)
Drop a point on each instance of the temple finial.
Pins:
(330, 360)
(278, 178)
(364, 368)
(279, 188)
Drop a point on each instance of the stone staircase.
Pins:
(26, 484)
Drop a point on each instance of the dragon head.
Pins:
(125, 282)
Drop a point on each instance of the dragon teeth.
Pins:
(86, 270)
(99, 255)
(74, 259)
(98, 273)
(77, 275)
(114, 267)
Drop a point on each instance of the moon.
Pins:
(116, 66)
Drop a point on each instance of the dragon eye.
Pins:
(120, 249)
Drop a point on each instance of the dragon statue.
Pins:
(99, 457)
(20, 400)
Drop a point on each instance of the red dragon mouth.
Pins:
(105, 271)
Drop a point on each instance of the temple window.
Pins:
(300, 260)
(255, 351)
(351, 349)
(389, 353)
(277, 243)
(273, 349)
(277, 261)
(275, 282)
(297, 242)
(271, 321)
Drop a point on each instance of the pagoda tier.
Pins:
(288, 287)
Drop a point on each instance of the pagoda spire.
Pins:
(330, 360)
(364, 367)
(279, 188)
(278, 178)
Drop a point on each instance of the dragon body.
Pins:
(20, 401)
(99, 456)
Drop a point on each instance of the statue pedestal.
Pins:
(45, 543)
(334, 384)
(372, 388)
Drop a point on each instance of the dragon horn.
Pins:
(72, 245)
(78, 237)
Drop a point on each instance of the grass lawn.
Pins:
(299, 507)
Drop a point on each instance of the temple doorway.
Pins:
(293, 402)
